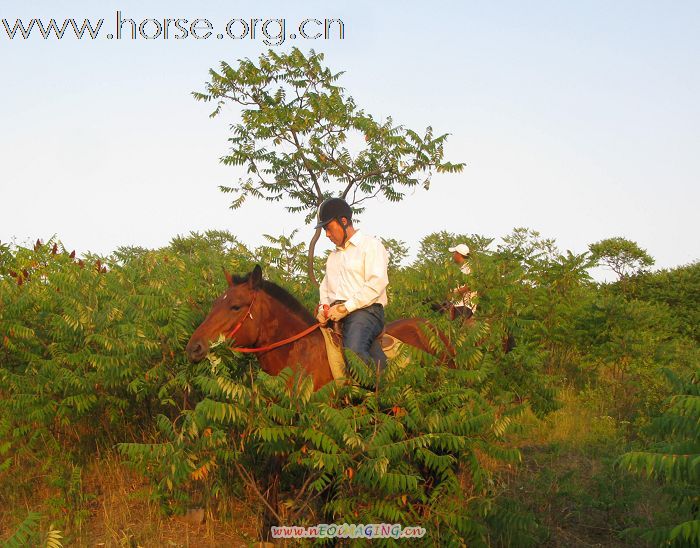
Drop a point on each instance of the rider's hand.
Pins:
(321, 316)
(337, 312)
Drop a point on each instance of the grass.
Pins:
(568, 480)
(113, 508)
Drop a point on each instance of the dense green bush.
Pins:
(674, 459)
(393, 455)
(679, 290)
(92, 354)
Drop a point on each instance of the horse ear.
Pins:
(255, 279)
(229, 279)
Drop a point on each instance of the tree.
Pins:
(5, 254)
(622, 256)
(679, 288)
(283, 254)
(397, 250)
(301, 139)
(530, 249)
(435, 247)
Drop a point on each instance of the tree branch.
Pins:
(251, 483)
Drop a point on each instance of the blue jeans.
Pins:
(360, 331)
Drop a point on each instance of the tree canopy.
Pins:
(624, 257)
(301, 138)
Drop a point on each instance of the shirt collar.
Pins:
(355, 239)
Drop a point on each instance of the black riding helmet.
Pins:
(333, 208)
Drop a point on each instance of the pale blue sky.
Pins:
(579, 120)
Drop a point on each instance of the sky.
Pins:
(580, 120)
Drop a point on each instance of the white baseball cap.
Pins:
(462, 249)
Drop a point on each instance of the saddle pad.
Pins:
(390, 345)
(336, 360)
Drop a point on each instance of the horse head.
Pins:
(233, 313)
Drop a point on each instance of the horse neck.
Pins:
(278, 322)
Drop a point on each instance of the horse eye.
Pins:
(235, 307)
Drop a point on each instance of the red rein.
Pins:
(269, 346)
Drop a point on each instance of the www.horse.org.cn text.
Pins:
(271, 31)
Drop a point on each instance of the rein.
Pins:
(269, 346)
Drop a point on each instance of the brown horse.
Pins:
(259, 314)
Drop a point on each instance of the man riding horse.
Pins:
(264, 319)
(353, 289)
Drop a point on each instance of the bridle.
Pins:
(272, 346)
(244, 318)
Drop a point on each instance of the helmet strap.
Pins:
(345, 231)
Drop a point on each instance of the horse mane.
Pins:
(283, 296)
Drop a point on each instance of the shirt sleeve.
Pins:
(376, 278)
(323, 291)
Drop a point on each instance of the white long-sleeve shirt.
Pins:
(467, 298)
(356, 273)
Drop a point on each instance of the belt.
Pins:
(337, 326)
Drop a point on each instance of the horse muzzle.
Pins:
(196, 350)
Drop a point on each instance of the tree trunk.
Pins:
(310, 257)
